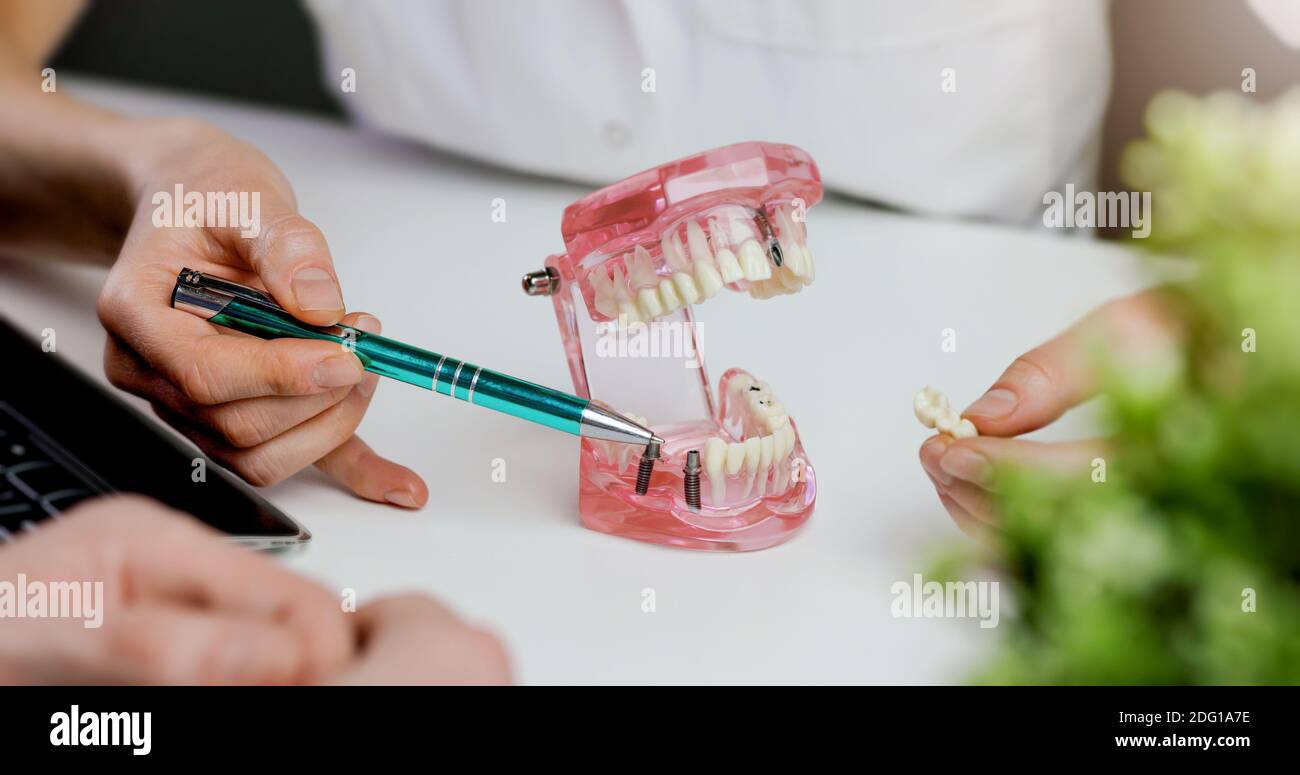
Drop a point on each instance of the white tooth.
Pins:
(785, 437)
(798, 262)
(707, 280)
(715, 457)
(776, 422)
(698, 243)
(741, 228)
(765, 453)
(753, 454)
(717, 235)
(648, 302)
(810, 272)
(729, 267)
(619, 283)
(627, 310)
(735, 456)
(674, 256)
(753, 261)
(603, 289)
(624, 457)
(642, 273)
(740, 383)
(928, 404)
(947, 421)
(800, 226)
(627, 314)
(668, 294)
(601, 448)
(686, 287)
(965, 430)
(789, 246)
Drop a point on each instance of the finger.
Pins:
(253, 421)
(210, 368)
(293, 261)
(275, 460)
(965, 522)
(256, 420)
(413, 639)
(240, 424)
(159, 557)
(372, 477)
(974, 460)
(932, 451)
(974, 500)
(376, 618)
(1039, 386)
(169, 644)
(287, 251)
(970, 523)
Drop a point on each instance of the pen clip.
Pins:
(197, 279)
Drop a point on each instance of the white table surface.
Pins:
(413, 242)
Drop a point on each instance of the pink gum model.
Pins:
(640, 254)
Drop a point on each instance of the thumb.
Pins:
(1039, 386)
(290, 256)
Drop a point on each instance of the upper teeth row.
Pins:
(633, 289)
(932, 409)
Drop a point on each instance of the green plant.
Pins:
(1151, 575)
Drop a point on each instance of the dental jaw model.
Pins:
(641, 254)
(933, 410)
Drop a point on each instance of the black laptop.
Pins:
(64, 439)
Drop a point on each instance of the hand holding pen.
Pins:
(265, 409)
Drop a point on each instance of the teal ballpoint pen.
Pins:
(250, 311)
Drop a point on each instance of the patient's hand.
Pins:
(1036, 389)
(266, 409)
(413, 639)
(179, 605)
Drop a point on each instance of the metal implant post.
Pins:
(691, 480)
(773, 245)
(646, 467)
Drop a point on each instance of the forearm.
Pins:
(67, 169)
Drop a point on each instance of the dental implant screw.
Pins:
(691, 480)
(773, 246)
(646, 467)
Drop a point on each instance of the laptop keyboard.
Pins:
(38, 478)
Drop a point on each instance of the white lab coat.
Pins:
(937, 106)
